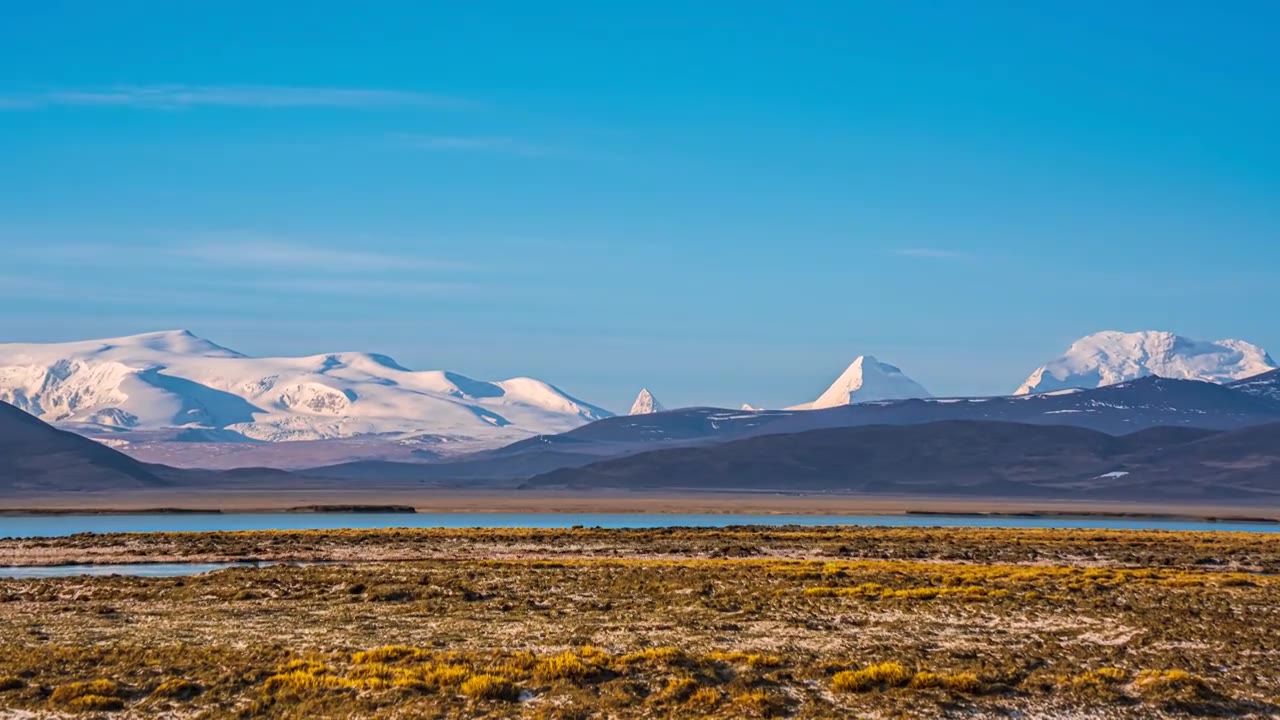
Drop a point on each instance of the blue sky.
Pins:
(725, 202)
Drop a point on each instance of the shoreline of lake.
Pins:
(479, 501)
(64, 525)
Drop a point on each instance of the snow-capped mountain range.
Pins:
(134, 387)
(175, 379)
(1107, 358)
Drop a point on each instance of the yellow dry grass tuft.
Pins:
(968, 683)
(679, 689)
(1171, 686)
(490, 687)
(565, 666)
(386, 654)
(755, 660)
(89, 695)
(963, 682)
(704, 699)
(445, 675)
(887, 674)
(96, 703)
(178, 689)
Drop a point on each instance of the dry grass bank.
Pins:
(799, 622)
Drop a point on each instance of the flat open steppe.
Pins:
(578, 623)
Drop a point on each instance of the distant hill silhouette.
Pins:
(962, 458)
(1266, 385)
(1153, 404)
(37, 456)
(1150, 439)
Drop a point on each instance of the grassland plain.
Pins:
(738, 622)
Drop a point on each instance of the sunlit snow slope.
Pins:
(1107, 358)
(646, 404)
(174, 379)
(867, 380)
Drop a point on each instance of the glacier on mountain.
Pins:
(1111, 357)
(175, 379)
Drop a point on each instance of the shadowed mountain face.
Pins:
(1116, 409)
(1238, 460)
(1171, 409)
(965, 458)
(466, 472)
(36, 456)
(1266, 385)
(1150, 439)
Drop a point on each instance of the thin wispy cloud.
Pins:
(240, 251)
(75, 291)
(366, 287)
(930, 253)
(178, 97)
(21, 285)
(472, 143)
(222, 291)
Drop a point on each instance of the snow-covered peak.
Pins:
(178, 342)
(1111, 357)
(646, 404)
(545, 395)
(150, 348)
(868, 380)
